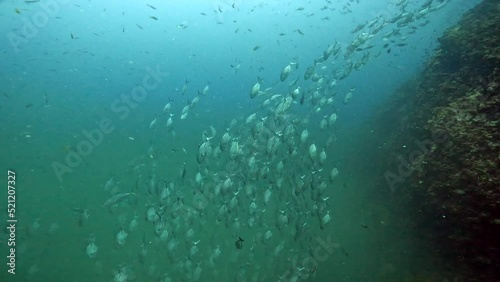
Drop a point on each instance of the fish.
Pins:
(333, 174)
(121, 238)
(150, 6)
(202, 152)
(295, 93)
(91, 250)
(153, 123)
(359, 27)
(182, 171)
(372, 23)
(234, 150)
(285, 72)
(84, 215)
(46, 98)
(309, 71)
(239, 243)
(117, 198)
(312, 151)
(167, 107)
(154, 18)
(255, 90)
(427, 4)
(74, 37)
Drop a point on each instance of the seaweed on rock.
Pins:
(457, 183)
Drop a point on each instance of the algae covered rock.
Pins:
(456, 185)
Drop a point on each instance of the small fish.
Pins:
(29, 105)
(239, 243)
(46, 98)
(299, 31)
(83, 215)
(182, 171)
(139, 26)
(152, 124)
(17, 11)
(364, 226)
(116, 199)
(359, 27)
(154, 18)
(256, 48)
(344, 251)
(150, 6)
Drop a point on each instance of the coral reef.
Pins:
(456, 184)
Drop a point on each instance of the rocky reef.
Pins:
(444, 138)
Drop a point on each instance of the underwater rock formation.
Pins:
(455, 180)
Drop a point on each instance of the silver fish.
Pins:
(116, 199)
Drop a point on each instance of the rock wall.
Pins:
(455, 181)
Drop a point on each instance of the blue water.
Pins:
(65, 67)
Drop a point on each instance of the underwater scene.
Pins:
(250, 140)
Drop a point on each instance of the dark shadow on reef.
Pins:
(440, 139)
